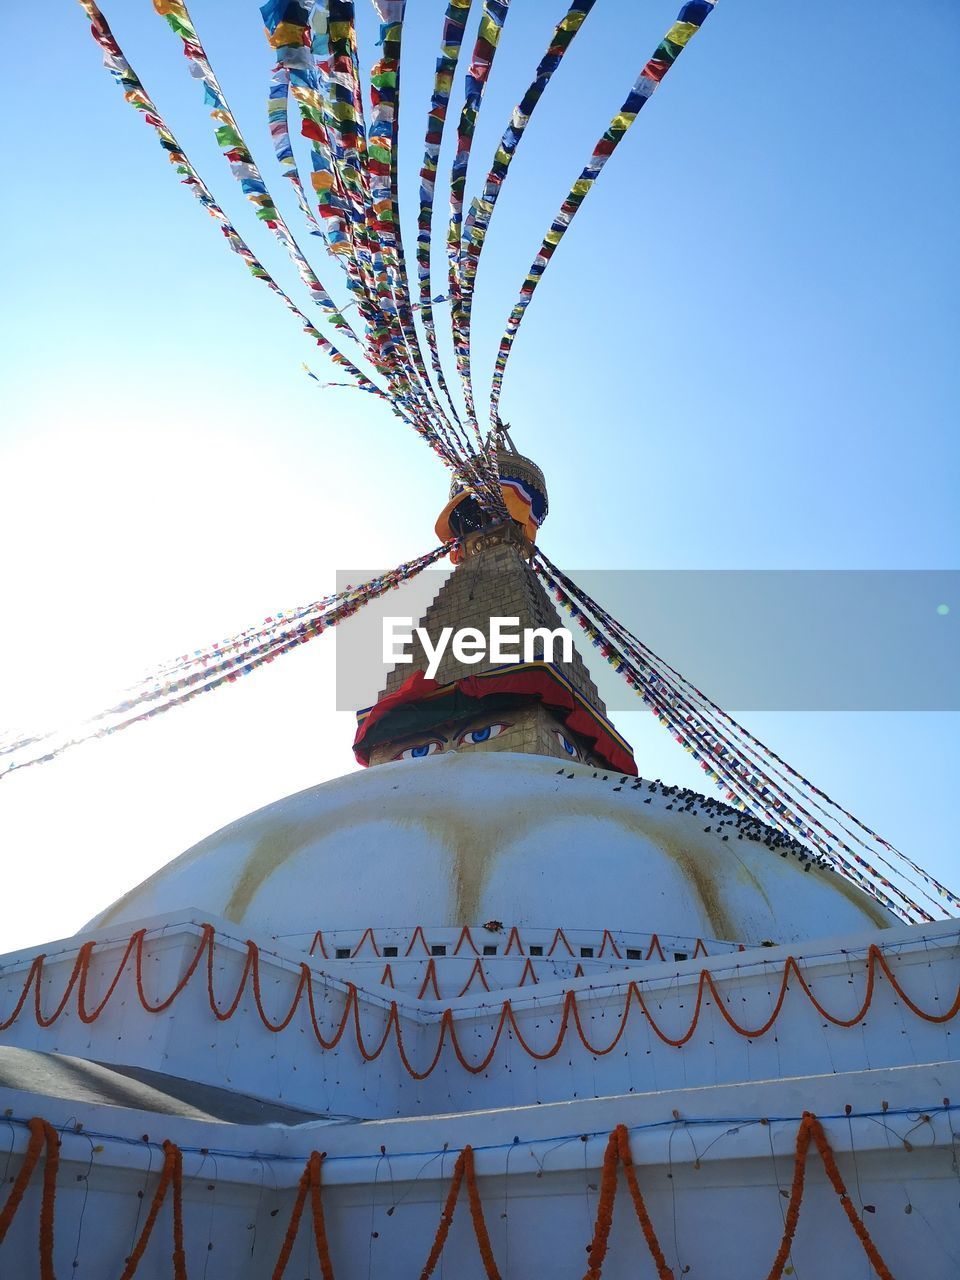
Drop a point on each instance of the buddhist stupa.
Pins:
(494, 959)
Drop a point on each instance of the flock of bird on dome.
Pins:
(349, 201)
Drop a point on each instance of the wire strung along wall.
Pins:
(637, 1001)
(45, 1143)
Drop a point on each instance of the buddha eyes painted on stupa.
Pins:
(421, 749)
(567, 745)
(475, 736)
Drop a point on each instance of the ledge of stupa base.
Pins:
(705, 1158)
(364, 1073)
(190, 924)
(755, 1112)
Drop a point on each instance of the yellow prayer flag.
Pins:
(573, 21)
(310, 97)
(286, 33)
(489, 30)
(681, 32)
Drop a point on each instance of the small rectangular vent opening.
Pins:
(343, 953)
(489, 949)
(587, 953)
(634, 953)
(438, 949)
(389, 951)
(536, 951)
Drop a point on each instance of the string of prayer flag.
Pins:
(242, 164)
(451, 42)
(691, 18)
(752, 776)
(133, 90)
(492, 18)
(477, 221)
(207, 669)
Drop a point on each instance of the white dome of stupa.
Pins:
(465, 837)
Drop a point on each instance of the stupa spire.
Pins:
(542, 703)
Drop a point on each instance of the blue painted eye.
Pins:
(420, 750)
(567, 745)
(474, 736)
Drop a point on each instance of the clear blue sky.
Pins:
(744, 355)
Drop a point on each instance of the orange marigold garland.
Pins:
(170, 1174)
(42, 1134)
(48, 1200)
(618, 1152)
(476, 1213)
(570, 1020)
(319, 1222)
(463, 1169)
(34, 1148)
(293, 1225)
(796, 1196)
(646, 1225)
(446, 1218)
(833, 1173)
(309, 1184)
(601, 1230)
(179, 1255)
(812, 1129)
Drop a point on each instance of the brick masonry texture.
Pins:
(496, 582)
